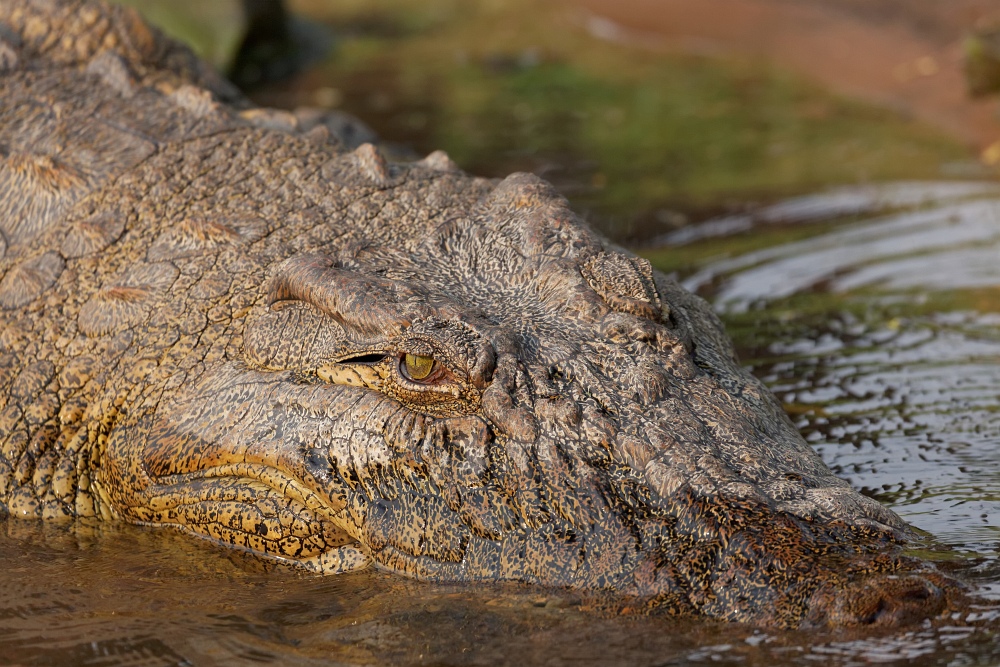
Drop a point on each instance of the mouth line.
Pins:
(335, 560)
(258, 509)
(257, 476)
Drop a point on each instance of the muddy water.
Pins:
(894, 380)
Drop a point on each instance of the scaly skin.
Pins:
(206, 316)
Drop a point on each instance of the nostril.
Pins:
(918, 594)
(904, 600)
(873, 616)
(893, 608)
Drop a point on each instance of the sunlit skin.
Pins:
(217, 321)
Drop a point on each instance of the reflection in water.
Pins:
(911, 416)
(854, 200)
(954, 244)
(123, 595)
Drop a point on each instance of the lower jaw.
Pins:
(253, 508)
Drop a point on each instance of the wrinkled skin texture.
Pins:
(218, 319)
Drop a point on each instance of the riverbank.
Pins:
(904, 55)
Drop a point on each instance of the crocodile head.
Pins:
(505, 396)
(216, 320)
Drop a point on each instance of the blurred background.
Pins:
(647, 114)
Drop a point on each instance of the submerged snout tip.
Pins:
(883, 600)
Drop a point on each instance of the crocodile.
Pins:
(227, 321)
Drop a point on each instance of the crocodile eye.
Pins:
(417, 367)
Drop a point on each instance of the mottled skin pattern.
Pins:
(218, 319)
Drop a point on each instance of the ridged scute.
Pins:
(72, 34)
(49, 165)
(10, 50)
(28, 280)
(112, 69)
(35, 190)
(93, 233)
(127, 301)
(196, 236)
(195, 100)
(372, 164)
(625, 283)
(438, 161)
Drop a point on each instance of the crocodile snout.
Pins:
(883, 600)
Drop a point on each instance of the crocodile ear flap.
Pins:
(293, 336)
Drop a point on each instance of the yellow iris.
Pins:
(418, 367)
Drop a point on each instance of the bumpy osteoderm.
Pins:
(222, 320)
